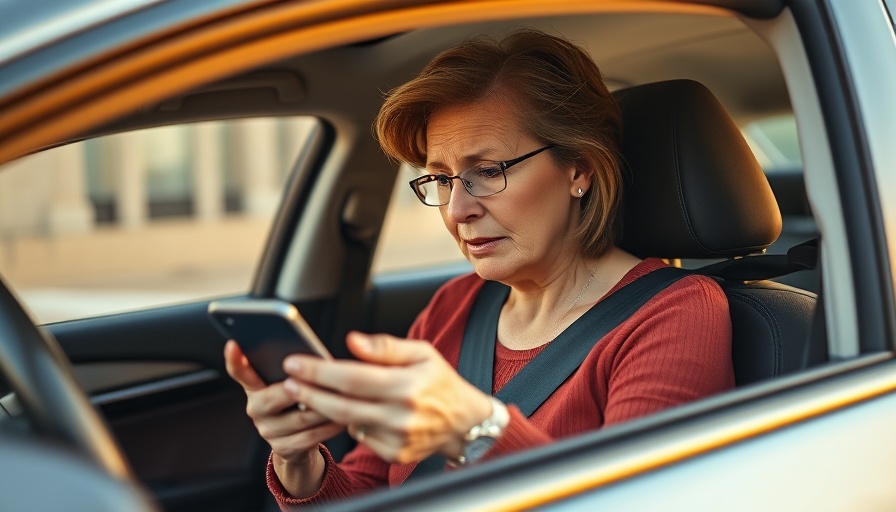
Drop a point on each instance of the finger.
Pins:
(290, 446)
(239, 369)
(282, 425)
(270, 401)
(352, 378)
(388, 350)
(347, 410)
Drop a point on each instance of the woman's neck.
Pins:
(536, 312)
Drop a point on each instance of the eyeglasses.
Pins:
(482, 180)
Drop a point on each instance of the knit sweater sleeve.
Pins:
(361, 470)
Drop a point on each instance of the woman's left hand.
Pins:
(401, 399)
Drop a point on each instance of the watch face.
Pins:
(478, 447)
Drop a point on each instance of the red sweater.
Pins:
(675, 349)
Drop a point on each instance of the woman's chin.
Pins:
(492, 269)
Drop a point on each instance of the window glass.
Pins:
(775, 143)
(413, 234)
(144, 218)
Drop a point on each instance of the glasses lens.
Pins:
(484, 181)
(435, 192)
(435, 189)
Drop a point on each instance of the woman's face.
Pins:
(521, 234)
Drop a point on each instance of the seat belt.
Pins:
(538, 380)
(803, 256)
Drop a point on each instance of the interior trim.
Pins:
(170, 384)
(96, 377)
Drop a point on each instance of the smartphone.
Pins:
(267, 330)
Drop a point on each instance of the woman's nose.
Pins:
(462, 206)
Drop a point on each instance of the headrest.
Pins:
(692, 187)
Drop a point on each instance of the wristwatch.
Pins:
(480, 439)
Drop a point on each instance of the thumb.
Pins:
(387, 350)
(239, 369)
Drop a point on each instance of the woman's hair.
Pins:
(559, 98)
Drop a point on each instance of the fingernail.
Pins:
(292, 364)
(291, 386)
(363, 342)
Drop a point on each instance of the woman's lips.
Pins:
(482, 245)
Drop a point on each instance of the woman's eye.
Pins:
(443, 180)
(489, 172)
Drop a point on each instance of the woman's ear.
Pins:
(580, 181)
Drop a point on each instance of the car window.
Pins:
(145, 218)
(775, 142)
(413, 234)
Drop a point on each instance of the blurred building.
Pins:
(169, 209)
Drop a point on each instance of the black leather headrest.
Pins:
(692, 188)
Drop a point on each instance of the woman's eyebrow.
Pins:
(483, 155)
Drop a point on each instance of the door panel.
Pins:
(158, 378)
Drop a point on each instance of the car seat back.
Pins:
(694, 190)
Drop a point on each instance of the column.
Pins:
(23, 196)
(70, 210)
(208, 182)
(256, 159)
(131, 194)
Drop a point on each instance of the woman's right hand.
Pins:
(294, 435)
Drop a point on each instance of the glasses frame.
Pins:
(417, 183)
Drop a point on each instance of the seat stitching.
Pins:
(679, 181)
(776, 330)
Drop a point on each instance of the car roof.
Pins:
(633, 43)
(38, 37)
(28, 25)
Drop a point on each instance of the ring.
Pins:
(301, 407)
(361, 433)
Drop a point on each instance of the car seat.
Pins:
(693, 189)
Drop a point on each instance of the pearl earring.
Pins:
(580, 192)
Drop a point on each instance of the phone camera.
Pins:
(228, 320)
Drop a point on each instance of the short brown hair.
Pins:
(561, 99)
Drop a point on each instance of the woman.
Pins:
(519, 140)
